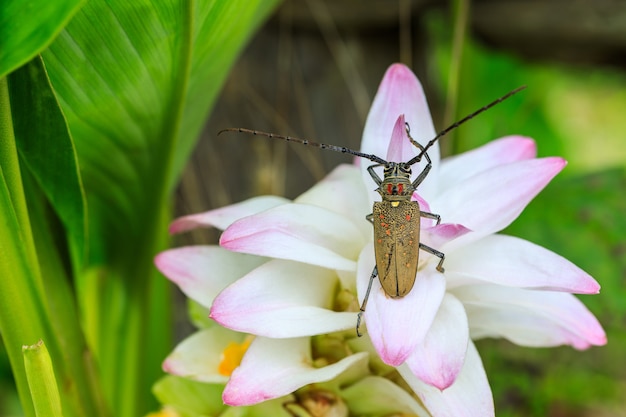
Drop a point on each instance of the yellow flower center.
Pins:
(232, 355)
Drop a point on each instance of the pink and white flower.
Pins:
(287, 272)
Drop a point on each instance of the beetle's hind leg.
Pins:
(435, 252)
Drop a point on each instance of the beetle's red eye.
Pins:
(400, 188)
(389, 188)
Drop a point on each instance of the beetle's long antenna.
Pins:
(463, 120)
(335, 148)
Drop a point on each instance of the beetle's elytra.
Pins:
(396, 219)
(396, 245)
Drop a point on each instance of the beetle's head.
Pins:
(396, 184)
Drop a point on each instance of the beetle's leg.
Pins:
(367, 296)
(432, 251)
(431, 216)
(373, 173)
(370, 218)
(429, 163)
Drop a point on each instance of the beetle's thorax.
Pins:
(396, 184)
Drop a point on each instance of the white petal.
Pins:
(511, 261)
(440, 357)
(272, 368)
(225, 216)
(502, 151)
(198, 356)
(282, 299)
(469, 396)
(298, 232)
(397, 326)
(201, 272)
(343, 192)
(530, 318)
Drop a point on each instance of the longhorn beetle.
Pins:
(396, 218)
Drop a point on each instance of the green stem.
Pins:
(461, 14)
(41, 381)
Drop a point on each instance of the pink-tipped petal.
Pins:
(439, 235)
(298, 232)
(272, 368)
(400, 93)
(489, 201)
(223, 217)
(400, 147)
(198, 356)
(515, 262)
(440, 357)
(529, 317)
(201, 272)
(469, 396)
(502, 151)
(282, 299)
(397, 326)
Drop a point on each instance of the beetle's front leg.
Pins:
(374, 175)
(429, 163)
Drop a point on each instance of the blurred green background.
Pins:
(312, 72)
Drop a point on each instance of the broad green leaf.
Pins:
(136, 81)
(41, 380)
(21, 302)
(27, 27)
(47, 150)
(43, 188)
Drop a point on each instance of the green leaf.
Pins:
(27, 27)
(41, 381)
(44, 212)
(21, 302)
(47, 150)
(136, 81)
